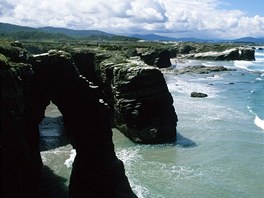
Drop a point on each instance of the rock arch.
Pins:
(96, 169)
(27, 90)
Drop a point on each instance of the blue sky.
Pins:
(249, 7)
(175, 18)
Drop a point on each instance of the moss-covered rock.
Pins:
(3, 61)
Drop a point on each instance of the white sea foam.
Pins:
(259, 54)
(259, 122)
(139, 190)
(260, 60)
(243, 64)
(208, 64)
(68, 162)
(130, 157)
(186, 87)
(248, 107)
(214, 77)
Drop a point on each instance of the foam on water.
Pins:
(257, 65)
(187, 87)
(259, 53)
(68, 162)
(259, 122)
(243, 64)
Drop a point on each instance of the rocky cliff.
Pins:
(87, 95)
(143, 105)
(20, 156)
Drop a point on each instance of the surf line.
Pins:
(258, 122)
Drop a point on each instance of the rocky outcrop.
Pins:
(20, 156)
(200, 69)
(198, 95)
(155, 57)
(96, 169)
(26, 91)
(87, 95)
(230, 54)
(143, 106)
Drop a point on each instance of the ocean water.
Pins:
(220, 139)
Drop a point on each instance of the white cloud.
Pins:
(179, 18)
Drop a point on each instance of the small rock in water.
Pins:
(198, 95)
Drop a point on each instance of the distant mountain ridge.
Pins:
(75, 33)
(153, 37)
(10, 30)
(7, 29)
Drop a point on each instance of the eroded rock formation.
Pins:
(20, 157)
(75, 83)
(155, 57)
(200, 69)
(27, 90)
(143, 105)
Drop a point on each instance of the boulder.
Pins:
(143, 105)
(198, 95)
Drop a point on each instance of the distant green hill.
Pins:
(9, 28)
(76, 33)
(249, 39)
(154, 37)
(26, 33)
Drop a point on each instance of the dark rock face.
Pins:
(26, 91)
(158, 58)
(231, 54)
(139, 100)
(96, 169)
(20, 157)
(143, 105)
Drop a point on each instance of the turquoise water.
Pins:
(220, 146)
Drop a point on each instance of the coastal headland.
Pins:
(96, 86)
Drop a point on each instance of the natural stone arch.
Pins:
(96, 169)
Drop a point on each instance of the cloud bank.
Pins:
(176, 18)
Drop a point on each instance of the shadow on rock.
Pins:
(184, 142)
(52, 185)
